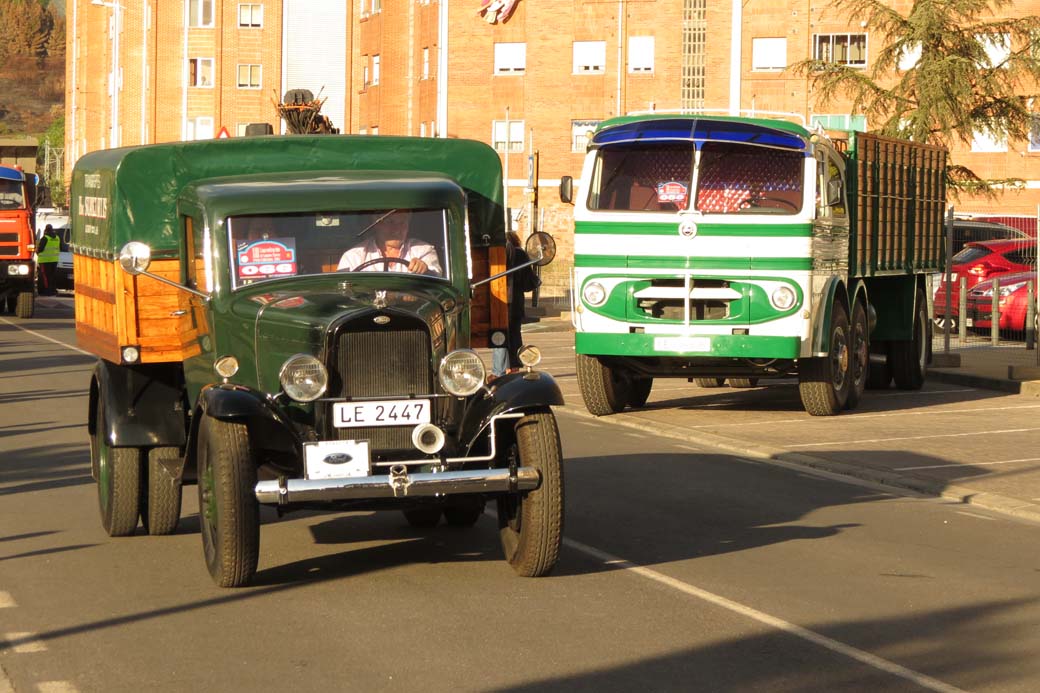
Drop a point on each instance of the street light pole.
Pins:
(116, 82)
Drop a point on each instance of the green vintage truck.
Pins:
(256, 336)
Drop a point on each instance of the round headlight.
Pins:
(498, 338)
(594, 293)
(529, 355)
(303, 378)
(462, 372)
(131, 354)
(226, 366)
(782, 298)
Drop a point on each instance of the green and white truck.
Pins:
(727, 248)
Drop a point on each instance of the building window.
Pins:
(200, 72)
(200, 128)
(251, 14)
(840, 121)
(589, 57)
(375, 69)
(998, 49)
(843, 49)
(909, 57)
(200, 13)
(425, 63)
(641, 54)
(768, 53)
(375, 130)
(581, 133)
(508, 135)
(377, 6)
(1034, 134)
(510, 58)
(988, 143)
(422, 129)
(240, 129)
(433, 129)
(249, 76)
(364, 71)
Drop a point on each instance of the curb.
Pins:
(898, 483)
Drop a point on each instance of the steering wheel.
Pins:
(384, 259)
(757, 200)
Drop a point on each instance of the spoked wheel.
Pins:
(118, 485)
(604, 389)
(161, 493)
(463, 514)
(531, 524)
(743, 382)
(709, 382)
(823, 382)
(859, 361)
(228, 511)
(422, 518)
(909, 358)
(639, 392)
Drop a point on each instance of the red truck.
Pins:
(17, 239)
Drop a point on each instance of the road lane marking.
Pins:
(961, 464)
(976, 515)
(24, 643)
(887, 440)
(831, 644)
(834, 420)
(56, 687)
(43, 336)
(6, 600)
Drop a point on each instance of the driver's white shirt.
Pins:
(411, 250)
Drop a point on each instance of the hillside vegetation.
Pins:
(32, 67)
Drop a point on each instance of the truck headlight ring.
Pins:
(303, 378)
(782, 297)
(462, 372)
(594, 294)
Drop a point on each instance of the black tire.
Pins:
(531, 525)
(161, 494)
(464, 514)
(823, 382)
(422, 518)
(859, 355)
(709, 382)
(604, 389)
(26, 305)
(742, 383)
(909, 358)
(229, 514)
(118, 483)
(639, 392)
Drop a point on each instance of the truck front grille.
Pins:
(391, 362)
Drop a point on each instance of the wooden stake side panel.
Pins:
(490, 308)
(116, 309)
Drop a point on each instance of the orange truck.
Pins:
(18, 182)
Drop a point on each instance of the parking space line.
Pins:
(763, 618)
(56, 687)
(45, 337)
(890, 439)
(24, 643)
(6, 600)
(973, 464)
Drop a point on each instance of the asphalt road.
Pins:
(685, 568)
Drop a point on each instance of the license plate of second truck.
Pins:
(682, 344)
(395, 412)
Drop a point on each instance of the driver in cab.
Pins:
(390, 249)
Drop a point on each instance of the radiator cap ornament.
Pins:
(687, 228)
(381, 319)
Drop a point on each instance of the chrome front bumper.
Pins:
(398, 484)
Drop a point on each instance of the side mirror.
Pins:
(567, 190)
(135, 257)
(834, 192)
(541, 248)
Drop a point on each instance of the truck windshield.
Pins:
(276, 246)
(11, 194)
(737, 178)
(642, 178)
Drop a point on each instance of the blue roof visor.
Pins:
(7, 173)
(697, 130)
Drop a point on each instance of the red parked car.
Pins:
(1013, 303)
(980, 261)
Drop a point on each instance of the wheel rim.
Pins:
(861, 353)
(921, 347)
(839, 358)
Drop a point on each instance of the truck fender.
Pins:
(859, 293)
(833, 290)
(514, 392)
(143, 406)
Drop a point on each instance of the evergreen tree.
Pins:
(945, 71)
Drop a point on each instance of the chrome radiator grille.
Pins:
(383, 363)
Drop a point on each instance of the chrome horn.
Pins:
(428, 438)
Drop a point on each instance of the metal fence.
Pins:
(988, 296)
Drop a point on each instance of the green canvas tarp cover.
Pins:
(130, 194)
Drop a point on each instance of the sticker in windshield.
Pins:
(267, 259)
(672, 191)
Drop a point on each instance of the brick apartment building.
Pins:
(522, 75)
